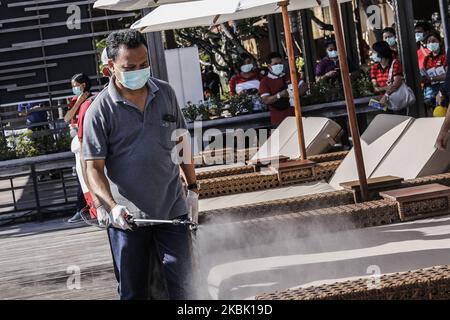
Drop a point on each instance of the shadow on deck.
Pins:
(55, 260)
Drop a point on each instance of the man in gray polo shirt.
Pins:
(129, 131)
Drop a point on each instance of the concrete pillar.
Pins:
(350, 37)
(404, 17)
(308, 46)
(443, 7)
(156, 53)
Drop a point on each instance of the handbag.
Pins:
(403, 97)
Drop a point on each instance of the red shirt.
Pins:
(422, 53)
(433, 61)
(381, 75)
(72, 102)
(239, 79)
(270, 86)
(81, 113)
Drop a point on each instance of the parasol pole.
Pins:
(345, 74)
(294, 78)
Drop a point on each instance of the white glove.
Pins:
(102, 217)
(73, 132)
(117, 217)
(192, 205)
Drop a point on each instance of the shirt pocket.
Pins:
(166, 131)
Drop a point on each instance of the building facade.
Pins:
(43, 43)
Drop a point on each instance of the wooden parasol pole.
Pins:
(345, 74)
(294, 78)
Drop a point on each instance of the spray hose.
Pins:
(135, 222)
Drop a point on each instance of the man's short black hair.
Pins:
(82, 78)
(329, 42)
(426, 26)
(383, 50)
(390, 30)
(273, 55)
(131, 39)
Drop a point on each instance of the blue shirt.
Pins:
(33, 116)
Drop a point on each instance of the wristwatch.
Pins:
(192, 186)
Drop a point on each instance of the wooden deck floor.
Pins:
(36, 259)
(39, 260)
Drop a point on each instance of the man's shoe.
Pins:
(76, 218)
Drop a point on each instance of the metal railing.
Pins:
(38, 184)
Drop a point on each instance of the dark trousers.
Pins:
(132, 253)
(81, 201)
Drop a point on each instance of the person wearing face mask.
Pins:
(273, 90)
(212, 85)
(132, 129)
(421, 30)
(434, 71)
(328, 68)
(248, 78)
(383, 60)
(391, 39)
(81, 86)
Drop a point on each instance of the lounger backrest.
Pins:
(382, 134)
(415, 154)
(320, 134)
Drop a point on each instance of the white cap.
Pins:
(104, 57)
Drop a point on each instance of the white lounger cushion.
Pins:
(381, 135)
(327, 257)
(220, 167)
(319, 137)
(415, 154)
(240, 199)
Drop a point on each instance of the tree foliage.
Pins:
(221, 45)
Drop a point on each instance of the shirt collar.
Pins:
(270, 75)
(115, 95)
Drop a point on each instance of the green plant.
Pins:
(25, 145)
(240, 103)
(5, 151)
(362, 85)
(63, 142)
(100, 45)
(203, 110)
(190, 112)
(300, 62)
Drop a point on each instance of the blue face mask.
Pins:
(391, 41)
(134, 80)
(375, 58)
(277, 69)
(419, 36)
(332, 54)
(76, 91)
(433, 46)
(247, 67)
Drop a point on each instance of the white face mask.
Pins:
(419, 36)
(375, 58)
(433, 46)
(392, 41)
(247, 68)
(332, 54)
(133, 80)
(277, 69)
